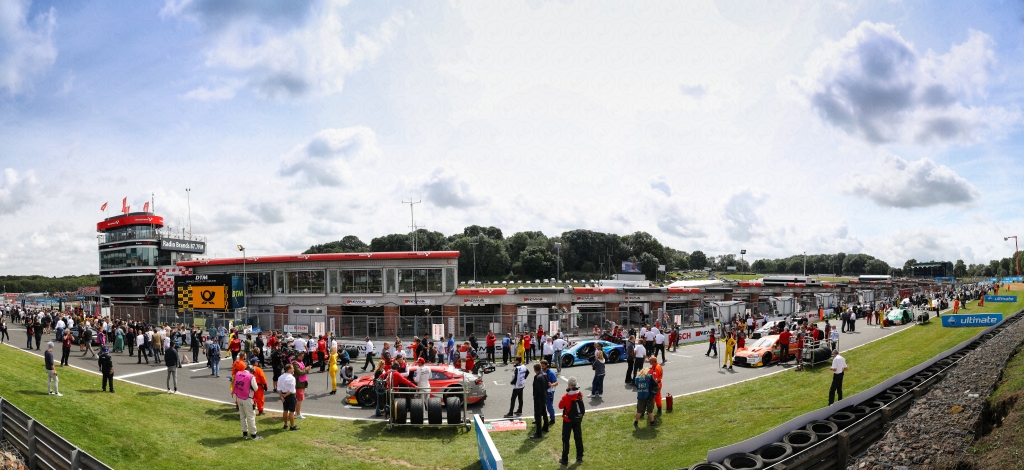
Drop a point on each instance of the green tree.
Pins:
(960, 269)
(490, 232)
(520, 241)
(393, 242)
(348, 244)
(639, 243)
(649, 266)
(698, 260)
(430, 241)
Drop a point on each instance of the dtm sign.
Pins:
(970, 320)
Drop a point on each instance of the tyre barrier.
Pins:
(873, 405)
(909, 384)
(398, 410)
(743, 461)
(416, 409)
(923, 376)
(707, 466)
(885, 398)
(800, 439)
(822, 429)
(843, 419)
(896, 390)
(435, 411)
(774, 452)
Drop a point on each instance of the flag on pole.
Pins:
(124, 206)
(103, 207)
(145, 207)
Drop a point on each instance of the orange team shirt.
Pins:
(261, 378)
(656, 372)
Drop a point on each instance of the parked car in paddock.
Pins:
(766, 329)
(582, 352)
(76, 333)
(899, 316)
(762, 352)
(443, 380)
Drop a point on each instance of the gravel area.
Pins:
(940, 426)
(10, 458)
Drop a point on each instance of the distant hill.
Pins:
(38, 283)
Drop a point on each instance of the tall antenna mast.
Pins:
(412, 221)
(188, 200)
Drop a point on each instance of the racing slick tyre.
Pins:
(416, 411)
(566, 360)
(366, 396)
(800, 439)
(454, 406)
(353, 353)
(707, 466)
(774, 452)
(398, 411)
(614, 356)
(743, 460)
(822, 429)
(820, 354)
(766, 360)
(435, 411)
(843, 419)
(453, 392)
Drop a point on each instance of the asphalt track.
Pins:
(687, 371)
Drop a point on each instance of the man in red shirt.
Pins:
(272, 341)
(321, 352)
(784, 339)
(490, 345)
(527, 348)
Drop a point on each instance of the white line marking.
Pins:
(142, 373)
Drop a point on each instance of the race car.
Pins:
(582, 352)
(762, 352)
(444, 380)
(899, 316)
(766, 329)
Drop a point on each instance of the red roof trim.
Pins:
(322, 257)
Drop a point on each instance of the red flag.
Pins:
(145, 207)
(103, 207)
(124, 205)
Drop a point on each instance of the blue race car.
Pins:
(582, 352)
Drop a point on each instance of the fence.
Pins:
(44, 448)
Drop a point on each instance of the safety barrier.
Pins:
(43, 447)
(860, 419)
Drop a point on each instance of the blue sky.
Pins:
(891, 128)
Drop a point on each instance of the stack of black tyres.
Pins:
(896, 390)
(707, 466)
(416, 411)
(822, 429)
(743, 461)
(774, 453)
(843, 419)
(352, 353)
(799, 439)
(454, 407)
(399, 409)
(435, 411)
(820, 354)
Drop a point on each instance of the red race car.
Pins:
(443, 380)
(762, 352)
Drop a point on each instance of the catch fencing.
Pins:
(43, 447)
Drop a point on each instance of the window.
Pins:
(332, 281)
(419, 280)
(279, 282)
(391, 281)
(259, 283)
(449, 279)
(125, 285)
(133, 232)
(129, 257)
(361, 281)
(305, 282)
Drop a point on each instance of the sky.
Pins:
(890, 128)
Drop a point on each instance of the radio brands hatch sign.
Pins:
(971, 320)
(1001, 298)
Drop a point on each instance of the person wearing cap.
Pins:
(422, 374)
(106, 368)
(242, 388)
(839, 368)
(50, 371)
(333, 369)
(236, 367)
(261, 384)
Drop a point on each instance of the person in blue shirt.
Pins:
(450, 349)
(213, 354)
(552, 387)
(506, 348)
(645, 388)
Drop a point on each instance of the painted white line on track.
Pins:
(142, 373)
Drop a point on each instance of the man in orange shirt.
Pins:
(656, 372)
(261, 384)
(236, 367)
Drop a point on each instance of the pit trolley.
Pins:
(815, 352)
(419, 407)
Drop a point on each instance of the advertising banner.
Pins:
(301, 329)
(237, 292)
(631, 267)
(437, 334)
(971, 320)
(693, 335)
(318, 328)
(182, 246)
(489, 457)
(1001, 298)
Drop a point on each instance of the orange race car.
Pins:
(763, 352)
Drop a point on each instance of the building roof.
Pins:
(933, 264)
(322, 257)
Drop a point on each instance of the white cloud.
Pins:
(680, 223)
(17, 190)
(325, 160)
(224, 91)
(875, 86)
(285, 49)
(741, 214)
(445, 188)
(920, 183)
(660, 183)
(26, 45)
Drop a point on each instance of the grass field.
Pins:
(143, 428)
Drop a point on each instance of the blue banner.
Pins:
(237, 292)
(1001, 298)
(971, 320)
(489, 457)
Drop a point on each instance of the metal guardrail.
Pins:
(43, 447)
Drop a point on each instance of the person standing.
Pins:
(37, 329)
(140, 343)
(784, 339)
(853, 322)
(235, 346)
(540, 396)
(106, 369)
(86, 339)
(369, 355)
(519, 374)
(659, 345)
(833, 339)
(521, 349)
(573, 410)
(548, 352)
(28, 333)
(171, 361)
(730, 349)
(261, 385)
(839, 368)
(644, 398)
(333, 369)
(629, 346)
(51, 372)
(712, 344)
(65, 349)
(597, 386)
(657, 373)
(196, 342)
(552, 388)
(286, 389)
(242, 389)
(212, 355)
(489, 342)
(559, 345)
(276, 363)
(506, 348)
(301, 372)
(639, 357)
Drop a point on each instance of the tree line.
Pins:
(38, 283)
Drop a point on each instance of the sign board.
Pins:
(451, 326)
(301, 329)
(535, 300)
(506, 425)
(318, 328)
(358, 302)
(730, 268)
(1001, 298)
(237, 293)
(332, 325)
(419, 301)
(552, 326)
(489, 457)
(971, 320)
(202, 292)
(589, 305)
(694, 335)
(631, 267)
(635, 298)
(677, 298)
(586, 298)
(182, 246)
(661, 268)
(437, 333)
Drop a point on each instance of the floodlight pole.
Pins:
(1016, 251)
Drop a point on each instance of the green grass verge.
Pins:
(1013, 378)
(143, 428)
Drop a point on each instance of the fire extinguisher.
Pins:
(668, 402)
